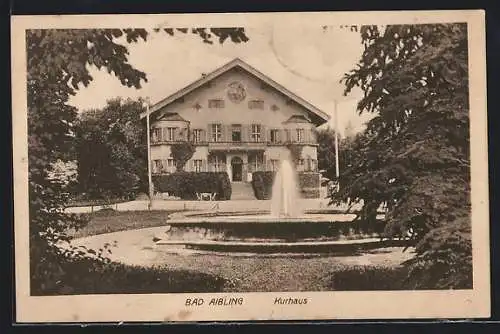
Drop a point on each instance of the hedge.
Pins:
(87, 276)
(262, 184)
(186, 184)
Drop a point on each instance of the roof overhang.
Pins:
(318, 117)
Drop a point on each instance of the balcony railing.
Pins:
(249, 167)
(235, 146)
(267, 137)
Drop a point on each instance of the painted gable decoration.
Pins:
(236, 92)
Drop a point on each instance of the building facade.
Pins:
(239, 120)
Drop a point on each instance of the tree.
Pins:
(295, 153)
(326, 151)
(111, 149)
(58, 63)
(414, 154)
(181, 152)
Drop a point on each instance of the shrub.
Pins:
(367, 278)
(88, 276)
(225, 189)
(444, 258)
(262, 184)
(181, 152)
(186, 184)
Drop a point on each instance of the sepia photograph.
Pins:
(197, 167)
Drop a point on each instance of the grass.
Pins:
(373, 270)
(107, 221)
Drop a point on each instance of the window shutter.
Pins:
(263, 133)
(209, 132)
(204, 165)
(244, 133)
(176, 134)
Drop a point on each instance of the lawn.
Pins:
(372, 270)
(107, 221)
(167, 272)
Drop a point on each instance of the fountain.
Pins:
(285, 192)
(284, 229)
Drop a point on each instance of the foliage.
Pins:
(181, 152)
(369, 278)
(295, 152)
(414, 155)
(93, 277)
(326, 150)
(186, 184)
(111, 150)
(262, 184)
(58, 62)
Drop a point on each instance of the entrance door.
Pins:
(237, 169)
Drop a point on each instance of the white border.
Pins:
(258, 306)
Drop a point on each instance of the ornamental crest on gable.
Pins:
(236, 92)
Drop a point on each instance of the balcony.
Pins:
(236, 146)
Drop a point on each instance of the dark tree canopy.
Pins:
(111, 150)
(414, 155)
(58, 62)
(181, 152)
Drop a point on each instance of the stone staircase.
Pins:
(242, 191)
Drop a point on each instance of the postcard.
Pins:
(250, 166)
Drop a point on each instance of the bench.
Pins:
(206, 196)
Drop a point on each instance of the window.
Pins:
(216, 132)
(275, 136)
(274, 165)
(170, 165)
(156, 135)
(300, 164)
(170, 135)
(300, 135)
(255, 104)
(255, 162)
(256, 129)
(217, 163)
(157, 166)
(197, 165)
(236, 133)
(197, 133)
(216, 103)
(314, 165)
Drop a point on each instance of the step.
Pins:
(241, 191)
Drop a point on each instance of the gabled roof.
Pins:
(318, 117)
(171, 116)
(297, 119)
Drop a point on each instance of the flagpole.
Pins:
(150, 182)
(337, 167)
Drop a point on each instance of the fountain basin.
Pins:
(340, 247)
(250, 230)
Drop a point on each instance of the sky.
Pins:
(307, 61)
